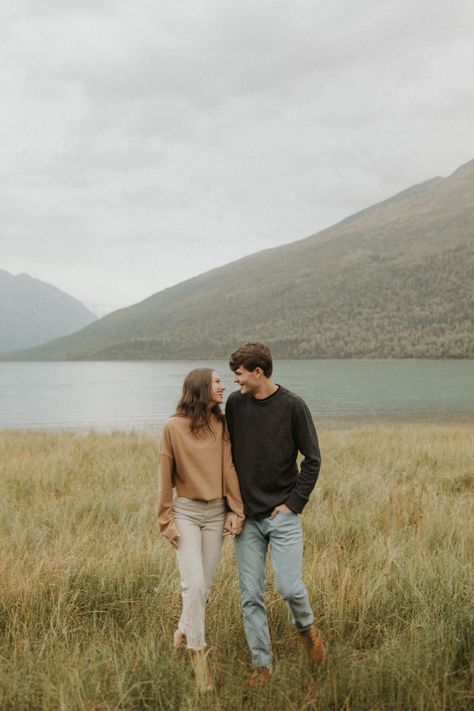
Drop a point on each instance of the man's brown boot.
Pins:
(258, 676)
(314, 647)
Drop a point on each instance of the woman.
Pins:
(196, 460)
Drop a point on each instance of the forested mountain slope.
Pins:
(393, 281)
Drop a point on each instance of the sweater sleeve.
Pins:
(306, 441)
(232, 488)
(165, 488)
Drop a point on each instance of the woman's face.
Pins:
(217, 390)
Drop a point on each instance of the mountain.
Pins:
(392, 281)
(34, 312)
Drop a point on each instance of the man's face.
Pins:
(249, 380)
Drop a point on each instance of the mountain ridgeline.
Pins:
(34, 312)
(392, 281)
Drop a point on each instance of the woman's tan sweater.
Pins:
(197, 467)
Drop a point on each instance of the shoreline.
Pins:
(321, 426)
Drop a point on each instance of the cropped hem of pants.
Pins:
(283, 535)
(201, 526)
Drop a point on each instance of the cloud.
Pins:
(144, 142)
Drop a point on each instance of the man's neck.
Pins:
(266, 389)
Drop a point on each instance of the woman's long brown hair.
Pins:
(196, 399)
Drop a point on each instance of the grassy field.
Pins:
(90, 593)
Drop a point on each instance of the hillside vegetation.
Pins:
(394, 281)
(89, 592)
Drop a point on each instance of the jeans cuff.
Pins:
(303, 628)
(262, 661)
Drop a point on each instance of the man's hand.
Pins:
(283, 508)
(230, 524)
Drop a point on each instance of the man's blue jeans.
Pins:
(284, 536)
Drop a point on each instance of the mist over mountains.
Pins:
(33, 312)
(392, 281)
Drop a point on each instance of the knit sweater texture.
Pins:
(266, 436)
(198, 468)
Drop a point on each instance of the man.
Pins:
(268, 426)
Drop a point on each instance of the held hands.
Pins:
(230, 524)
(230, 528)
(283, 508)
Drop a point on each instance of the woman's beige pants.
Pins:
(200, 525)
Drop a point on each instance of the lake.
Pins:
(141, 395)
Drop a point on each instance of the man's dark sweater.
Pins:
(266, 437)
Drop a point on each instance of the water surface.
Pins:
(138, 395)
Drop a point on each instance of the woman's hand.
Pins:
(175, 543)
(230, 524)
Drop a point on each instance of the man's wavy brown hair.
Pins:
(196, 400)
(252, 355)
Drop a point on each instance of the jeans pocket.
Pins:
(184, 506)
(285, 519)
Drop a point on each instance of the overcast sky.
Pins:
(146, 141)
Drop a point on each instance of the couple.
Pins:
(268, 426)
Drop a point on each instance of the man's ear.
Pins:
(258, 371)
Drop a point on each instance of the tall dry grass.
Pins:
(89, 593)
